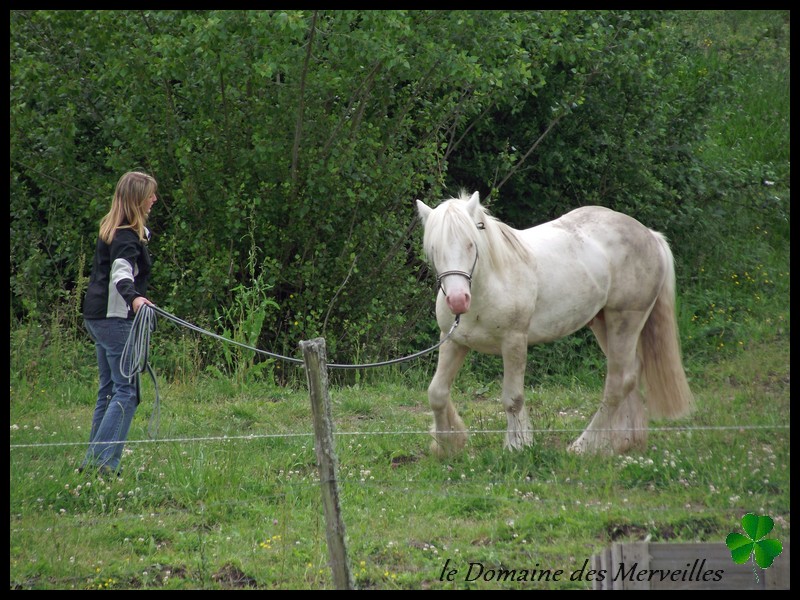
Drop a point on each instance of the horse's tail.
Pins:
(666, 388)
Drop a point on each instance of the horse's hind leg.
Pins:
(621, 422)
(449, 433)
(598, 327)
(515, 356)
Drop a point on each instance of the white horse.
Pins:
(513, 288)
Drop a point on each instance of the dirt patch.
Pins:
(403, 460)
(771, 382)
(230, 576)
(774, 382)
(161, 574)
(626, 531)
(667, 533)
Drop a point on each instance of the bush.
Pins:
(289, 147)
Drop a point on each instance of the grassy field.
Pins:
(227, 494)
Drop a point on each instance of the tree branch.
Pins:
(298, 130)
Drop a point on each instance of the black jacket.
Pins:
(120, 273)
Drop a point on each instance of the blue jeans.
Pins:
(117, 397)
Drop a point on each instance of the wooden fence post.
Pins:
(685, 566)
(315, 359)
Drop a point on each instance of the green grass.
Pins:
(750, 125)
(198, 510)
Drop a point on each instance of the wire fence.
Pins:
(544, 431)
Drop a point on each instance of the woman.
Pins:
(116, 292)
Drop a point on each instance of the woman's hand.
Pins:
(138, 301)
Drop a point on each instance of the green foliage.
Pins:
(243, 321)
(289, 146)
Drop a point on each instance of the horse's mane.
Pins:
(498, 244)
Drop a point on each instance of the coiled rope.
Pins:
(135, 354)
(137, 346)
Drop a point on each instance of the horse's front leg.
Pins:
(515, 356)
(449, 433)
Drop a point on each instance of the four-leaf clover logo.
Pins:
(742, 547)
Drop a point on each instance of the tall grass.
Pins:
(750, 126)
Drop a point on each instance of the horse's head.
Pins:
(450, 243)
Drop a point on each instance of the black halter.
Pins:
(457, 272)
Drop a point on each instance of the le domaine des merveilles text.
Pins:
(477, 571)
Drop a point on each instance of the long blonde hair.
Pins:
(128, 206)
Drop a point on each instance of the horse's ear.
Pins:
(424, 210)
(473, 204)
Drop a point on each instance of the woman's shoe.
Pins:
(106, 471)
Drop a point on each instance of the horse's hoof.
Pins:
(597, 447)
(447, 444)
(576, 448)
(517, 445)
(437, 450)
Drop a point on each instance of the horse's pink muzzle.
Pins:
(458, 301)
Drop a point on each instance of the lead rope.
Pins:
(136, 352)
(298, 361)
